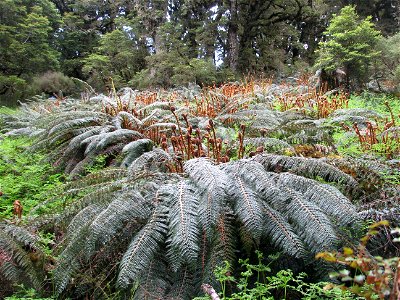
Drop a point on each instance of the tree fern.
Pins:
(194, 220)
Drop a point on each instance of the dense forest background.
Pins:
(48, 46)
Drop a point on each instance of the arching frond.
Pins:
(143, 248)
(269, 144)
(182, 285)
(221, 248)
(152, 160)
(307, 167)
(129, 205)
(135, 149)
(16, 264)
(247, 205)
(122, 116)
(212, 184)
(183, 229)
(115, 137)
(281, 233)
(153, 280)
(308, 221)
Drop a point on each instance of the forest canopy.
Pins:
(166, 43)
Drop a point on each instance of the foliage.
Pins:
(27, 294)
(283, 285)
(372, 277)
(369, 126)
(24, 176)
(118, 57)
(168, 184)
(388, 62)
(350, 45)
(159, 43)
(53, 83)
(26, 32)
(190, 212)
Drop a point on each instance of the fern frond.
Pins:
(247, 203)
(182, 287)
(123, 115)
(22, 235)
(155, 105)
(269, 144)
(211, 183)
(150, 161)
(69, 260)
(153, 281)
(82, 219)
(116, 136)
(74, 123)
(135, 149)
(338, 205)
(281, 233)
(128, 206)
(308, 221)
(143, 248)
(183, 230)
(17, 267)
(221, 248)
(102, 195)
(318, 193)
(355, 115)
(307, 167)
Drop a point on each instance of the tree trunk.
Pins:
(233, 41)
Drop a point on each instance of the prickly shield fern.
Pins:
(171, 231)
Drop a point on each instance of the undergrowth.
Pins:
(24, 176)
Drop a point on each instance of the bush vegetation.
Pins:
(163, 187)
(200, 184)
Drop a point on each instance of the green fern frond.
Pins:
(99, 194)
(308, 167)
(115, 137)
(338, 206)
(108, 175)
(17, 266)
(74, 123)
(143, 248)
(281, 233)
(269, 144)
(155, 105)
(308, 221)
(128, 206)
(135, 149)
(221, 248)
(182, 285)
(69, 260)
(153, 281)
(211, 183)
(247, 203)
(318, 193)
(22, 235)
(122, 116)
(183, 229)
(83, 218)
(355, 115)
(150, 161)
